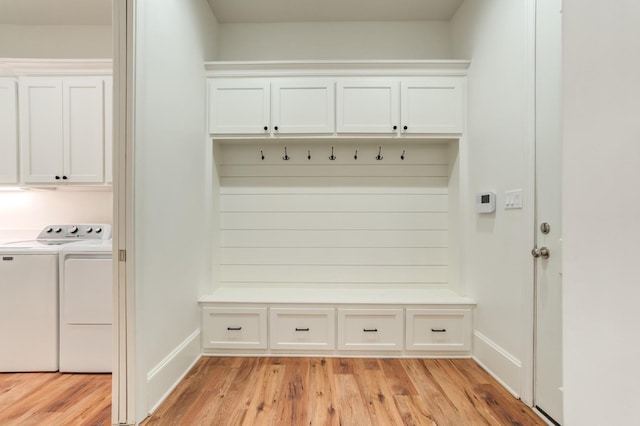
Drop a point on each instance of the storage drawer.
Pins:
(310, 329)
(234, 328)
(438, 329)
(366, 329)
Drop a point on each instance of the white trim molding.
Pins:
(499, 363)
(165, 376)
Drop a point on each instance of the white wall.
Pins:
(601, 212)
(34, 209)
(335, 40)
(55, 41)
(171, 168)
(498, 270)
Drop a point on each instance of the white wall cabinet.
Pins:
(407, 106)
(271, 107)
(239, 106)
(62, 129)
(303, 106)
(8, 131)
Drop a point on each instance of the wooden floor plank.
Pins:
(322, 396)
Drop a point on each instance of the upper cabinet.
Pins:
(269, 107)
(8, 132)
(405, 106)
(344, 99)
(302, 106)
(239, 106)
(62, 129)
(55, 122)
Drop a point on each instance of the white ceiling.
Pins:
(55, 12)
(98, 12)
(230, 11)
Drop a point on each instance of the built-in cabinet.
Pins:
(8, 131)
(337, 106)
(271, 107)
(63, 116)
(343, 240)
(394, 330)
(406, 106)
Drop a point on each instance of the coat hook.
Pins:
(355, 156)
(308, 155)
(379, 157)
(402, 156)
(262, 155)
(333, 157)
(286, 156)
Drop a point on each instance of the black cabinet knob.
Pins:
(64, 178)
(57, 177)
(395, 127)
(405, 127)
(266, 128)
(276, 128)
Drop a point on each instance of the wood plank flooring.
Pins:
(55, 399)
(281, 391)
(340, 391)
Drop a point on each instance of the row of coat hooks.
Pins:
(332, 157)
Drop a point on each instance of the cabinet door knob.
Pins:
(64, 178)
(276, 128)
(405, 127)
(266, 128)
(57, 177)
(395, 127)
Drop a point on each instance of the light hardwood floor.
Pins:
(281, 391)
(55, 399)
(340, 391)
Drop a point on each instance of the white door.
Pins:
(41, 133)
(8, 131)
(84, 120)
(548, 340)
(368, 105)
(303, 106)
(431, 105)
(108, 130)
(239, 106)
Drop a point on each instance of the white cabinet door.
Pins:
(41, 130)
(62, 130)
(368, 105)
(303, 106)
(108, 130)
(8, 131)
(83, 118)
(239, 106)
(432, 105)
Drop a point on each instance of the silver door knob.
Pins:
(542, 252)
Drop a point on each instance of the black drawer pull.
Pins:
(234, 328)
(439, 330)
(302, 329)
(370, 330)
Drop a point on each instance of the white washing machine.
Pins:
(29, 274)
(86, 307)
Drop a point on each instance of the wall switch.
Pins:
(513, 199)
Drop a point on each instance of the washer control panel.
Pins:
(83, 231)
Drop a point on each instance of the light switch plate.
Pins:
(513, 199)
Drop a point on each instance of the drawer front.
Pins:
(234, 328)
(306, 329)
(367, 329)
(438, 329)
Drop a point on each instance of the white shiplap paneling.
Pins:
(346, 222)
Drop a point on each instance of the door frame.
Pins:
(123, 407)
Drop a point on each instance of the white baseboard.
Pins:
(499, 363)
(165, 376)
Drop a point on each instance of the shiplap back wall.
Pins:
(347, 223)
